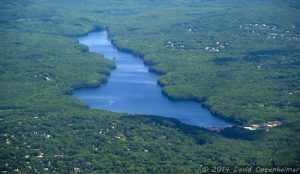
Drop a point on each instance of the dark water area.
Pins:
(131, 88)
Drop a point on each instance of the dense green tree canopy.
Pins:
(240, 58)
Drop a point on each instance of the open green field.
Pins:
(241, 58)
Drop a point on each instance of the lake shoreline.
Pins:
(141, 57)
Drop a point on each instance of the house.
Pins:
(59, 155)
(41, 154)
(249, 128)
(265, 126)
(274, 123)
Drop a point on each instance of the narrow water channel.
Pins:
(131, 88)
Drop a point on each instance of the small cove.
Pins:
(131, 88)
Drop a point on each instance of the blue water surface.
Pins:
(131, 88)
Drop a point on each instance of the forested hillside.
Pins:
(239, 57)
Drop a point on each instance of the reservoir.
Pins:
(131, 88)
